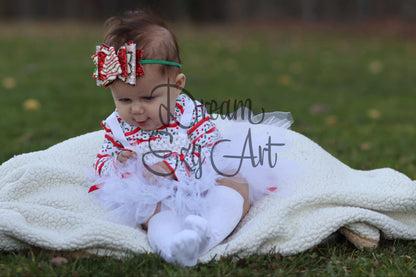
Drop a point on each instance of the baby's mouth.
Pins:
(142, 123)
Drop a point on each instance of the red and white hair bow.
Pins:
(125, 64)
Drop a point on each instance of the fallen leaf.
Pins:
(319, 109)
(241, 262)
(31, 105)
(375, 263)
(374, 114)
(81, 254)
(366, 166)
(9, 82)
(24, 137)
(331, 120)
(365, 146)
(284, 79)
(58, 261)
(375, 67)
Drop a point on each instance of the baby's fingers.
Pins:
(125, 154)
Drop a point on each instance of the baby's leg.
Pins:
(182, 241)
(176, 240)
(241, 188)
(226, 207)
(160, 229)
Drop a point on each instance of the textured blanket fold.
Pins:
(44, 203)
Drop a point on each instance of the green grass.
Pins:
(352, 91)
(338, 258)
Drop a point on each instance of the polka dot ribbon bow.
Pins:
(125, 64)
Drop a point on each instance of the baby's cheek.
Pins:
(162, 116)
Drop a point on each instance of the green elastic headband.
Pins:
(160, 62)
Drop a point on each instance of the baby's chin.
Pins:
(146, 126)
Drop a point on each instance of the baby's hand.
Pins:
(126, 154)
(159, 169)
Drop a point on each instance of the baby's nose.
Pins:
(137, 108)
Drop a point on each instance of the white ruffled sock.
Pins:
(185, 247)
(177, 240)
(182, 241)
(161, 229)
(201, 226)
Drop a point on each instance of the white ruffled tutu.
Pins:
(131, 199)
(248, 153)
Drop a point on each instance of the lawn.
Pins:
(350, 88)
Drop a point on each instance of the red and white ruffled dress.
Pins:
(197, 154)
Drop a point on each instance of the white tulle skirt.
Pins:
(131, 199)
(250, 153)
(247, 153)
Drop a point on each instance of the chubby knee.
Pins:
(241, 188)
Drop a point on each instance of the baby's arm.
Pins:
(105, 162)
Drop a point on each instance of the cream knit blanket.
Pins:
(44, 203)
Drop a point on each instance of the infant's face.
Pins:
(143, 105)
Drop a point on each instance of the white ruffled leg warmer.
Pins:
(225, 208)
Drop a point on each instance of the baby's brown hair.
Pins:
(150, 33)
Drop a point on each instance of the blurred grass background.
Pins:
(351, 89)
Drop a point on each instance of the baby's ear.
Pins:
(180, 80)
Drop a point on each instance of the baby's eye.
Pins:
(148, 98)
(124, 100)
